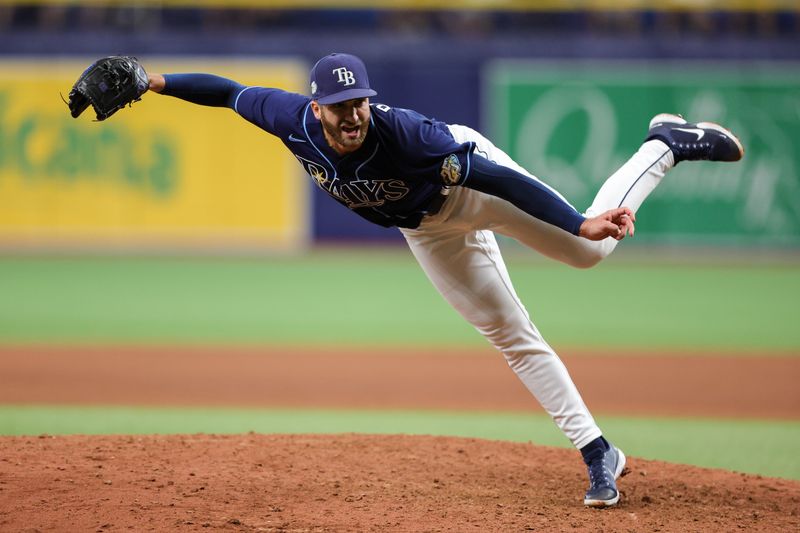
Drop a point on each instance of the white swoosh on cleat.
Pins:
(696, 131)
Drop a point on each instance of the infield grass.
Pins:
(733, 445)
(363, 298)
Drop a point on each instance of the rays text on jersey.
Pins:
(368, 193)
(355, 193)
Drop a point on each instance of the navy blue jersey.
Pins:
(390, 179)
(397, 175)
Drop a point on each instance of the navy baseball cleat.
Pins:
(693, 142)
(606, 463)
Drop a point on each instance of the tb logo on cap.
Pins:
(345, 76)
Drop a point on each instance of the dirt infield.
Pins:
(754, 385)
(358, 483)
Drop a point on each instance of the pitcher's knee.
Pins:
(515, 356)
(518, 340)
(523, 360)
(514, 335)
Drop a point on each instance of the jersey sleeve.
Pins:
(269, 109)
(529, 195)
(202, 89)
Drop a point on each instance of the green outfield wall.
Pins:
(574, 123)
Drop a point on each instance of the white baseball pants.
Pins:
(459, 253)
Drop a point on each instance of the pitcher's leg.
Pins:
(629, 186)
(635, 180)
(469, 272)
(670, 140)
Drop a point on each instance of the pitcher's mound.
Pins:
(359, 483)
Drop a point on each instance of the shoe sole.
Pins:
(724, 131)
(618, 473)
(669, 118)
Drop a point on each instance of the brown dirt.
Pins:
(756, 386)
(363, 482)
(358, 483)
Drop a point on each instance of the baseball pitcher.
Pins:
(449, 190)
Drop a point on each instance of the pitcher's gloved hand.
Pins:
(109, 84)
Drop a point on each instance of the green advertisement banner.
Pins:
(572, 124)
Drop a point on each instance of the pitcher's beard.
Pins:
(339, 137)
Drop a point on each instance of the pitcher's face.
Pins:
(345, 123)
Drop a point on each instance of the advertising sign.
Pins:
(163, 174)
(573, 124)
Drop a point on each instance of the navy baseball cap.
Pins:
(339, 77)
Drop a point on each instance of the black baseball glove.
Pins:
(109, 84)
